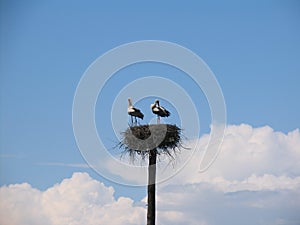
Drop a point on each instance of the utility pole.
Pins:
(151, 187)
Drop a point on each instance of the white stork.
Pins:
(159, 110)
(134, 112)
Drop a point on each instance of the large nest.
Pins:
(163, 138)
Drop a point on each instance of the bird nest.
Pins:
(163, 138)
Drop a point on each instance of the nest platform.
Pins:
(163, 138)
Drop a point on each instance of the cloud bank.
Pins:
(255, 180)
(75, 201)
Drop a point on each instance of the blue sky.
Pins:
(253, 48)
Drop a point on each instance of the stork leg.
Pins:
(131, 120)
(158, 119)
(135, 120)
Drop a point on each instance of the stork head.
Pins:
(156, 102)
(129, 101)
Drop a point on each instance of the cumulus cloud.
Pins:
(75, 201)
(248, 153)
(21, 204)
(254, 180)
(203, 203)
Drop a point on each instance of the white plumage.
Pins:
(134, 112)
(159, 110)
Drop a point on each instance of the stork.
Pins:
(159, 110)
(134, 112)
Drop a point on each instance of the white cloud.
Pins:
(255, 180)
(75, 201)
(204, 202)
(21, 204)
(248, 152)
